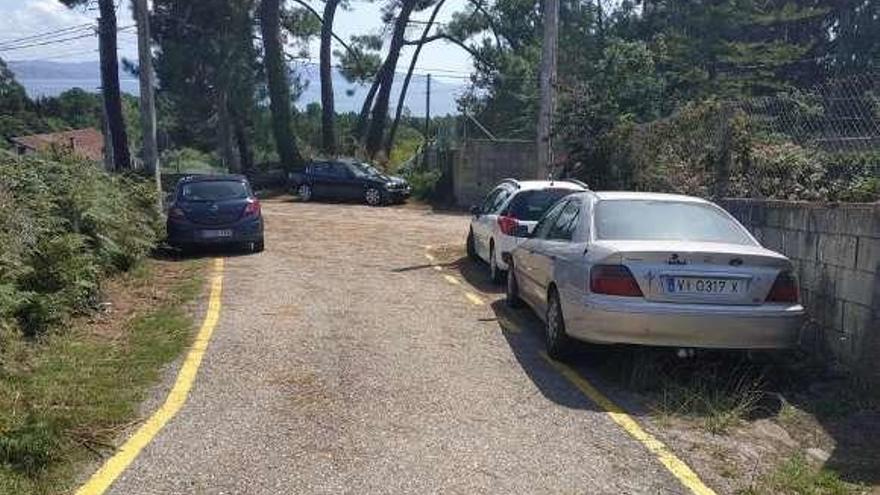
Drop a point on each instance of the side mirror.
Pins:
(475, 210)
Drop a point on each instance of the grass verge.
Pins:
(796, 476)
(65, 398)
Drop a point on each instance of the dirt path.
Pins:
(344, 362)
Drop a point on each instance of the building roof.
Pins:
(87, 143)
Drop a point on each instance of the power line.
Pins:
(56, 41)
(45, 43)
(57, 56)
(53, 33)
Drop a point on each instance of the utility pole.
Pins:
(547, 109)
(428, 109)
(148, 100)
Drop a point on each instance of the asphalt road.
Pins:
(344, 362)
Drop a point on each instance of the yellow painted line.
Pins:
(101, 481)
(474, 298)
(452, 280)
(666, 457)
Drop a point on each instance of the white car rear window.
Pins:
(649, 220)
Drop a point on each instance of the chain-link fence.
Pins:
(821, 143)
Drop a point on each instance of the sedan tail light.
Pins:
(508, 224)
(614, 280)
(252, 208)
(784, 290)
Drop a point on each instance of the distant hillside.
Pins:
(51, 78)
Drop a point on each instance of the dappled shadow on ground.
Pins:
(719, 391)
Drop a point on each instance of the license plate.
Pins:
(216, 234)
(700, 285)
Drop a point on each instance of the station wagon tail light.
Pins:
(784, 290)
(614, 280)
(508, 224)
(252, 208)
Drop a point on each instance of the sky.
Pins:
(24, 18)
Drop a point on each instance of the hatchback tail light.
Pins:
(614, 280)
(508, 224)
(784, 290)
(176, 212)
(252, 209)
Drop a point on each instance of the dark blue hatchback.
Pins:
(215, 209)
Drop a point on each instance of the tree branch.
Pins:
(321, 20)
(452, 39)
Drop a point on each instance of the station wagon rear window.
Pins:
(531, 205)
(647, 220)
(214, 190)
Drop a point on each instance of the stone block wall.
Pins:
(481, 165)
(835, 249)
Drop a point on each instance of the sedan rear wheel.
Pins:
(373, 196)
(304, 191)
(557, 340)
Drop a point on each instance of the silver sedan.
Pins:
(653, 269)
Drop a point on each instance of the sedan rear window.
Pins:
(214, 190)
(531, 205)
(646, 220)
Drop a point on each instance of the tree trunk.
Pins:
(363, 116)
(110, 85)
(244, 148)
(225, 136)
(386, 79)
(279, 86)
(389, 143)
(328, 111)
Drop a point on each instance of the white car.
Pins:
(508, 214)
(653, 269)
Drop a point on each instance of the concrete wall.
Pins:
(480, 165)
(836, 252)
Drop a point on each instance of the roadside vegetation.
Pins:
(67, 396)
(797, 476)
(802, 427)
(86, 322)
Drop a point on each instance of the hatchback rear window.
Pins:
(531, 205)
(214, 190)
(646, 220)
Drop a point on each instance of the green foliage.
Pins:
(66, 224)
(29, 447)
(706, 146)
(183, 160)
(66, 396)
(796, 476)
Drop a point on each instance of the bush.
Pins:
(66, 224)
(423, 183)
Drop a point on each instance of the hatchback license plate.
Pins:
(215, 234)
(698, 285)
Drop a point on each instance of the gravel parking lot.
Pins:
(346, 360)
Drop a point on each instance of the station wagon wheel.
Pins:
(512, 295)
(304, 191)
(373, 196)
(471, 248)
(557, 339)
(495, 273)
